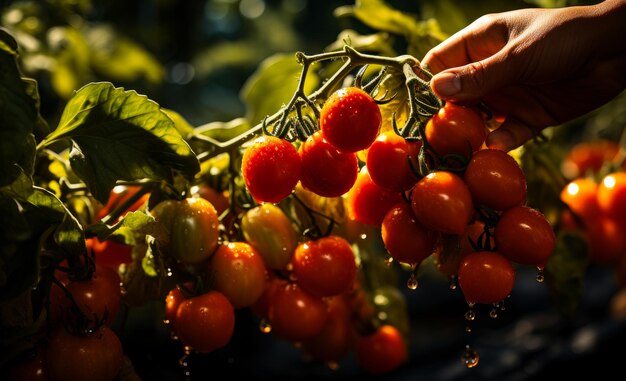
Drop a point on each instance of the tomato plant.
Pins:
(367, 202)
(90, 356)
(97, 297)
(325, 266)
(238, 273)
(486, 277)
(325, 170)
(442, 202)
(205, 322)
(271, 168)
(495, 180)
(193, 227)
(350, 119)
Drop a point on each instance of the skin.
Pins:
(536, 67)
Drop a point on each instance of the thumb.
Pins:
(475, 80)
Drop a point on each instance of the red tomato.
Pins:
(612, 196)
(193, 226)
(606, 239)
(382, 351)
(239, 273)
(119, 194)
(172, 301)
(495, 180)
(262, 304)
(350, 119)
(588, 157)
(110, 253)
(30, 368)
(336, 339)
(93, 356)
(295, 314)
(219, 200)
(405, 238)
(388, 162)
(326, 171)
(368, 203)
(455, 130)
(271, 168)
(325, 266)
(486, 277)
(99, 297)
(523, 235)
(205, 322)
(442, 202)
(581, 195)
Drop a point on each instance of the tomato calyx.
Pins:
(313, 230)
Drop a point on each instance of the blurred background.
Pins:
(194, 57)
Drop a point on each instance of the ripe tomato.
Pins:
(271, 168)
(523, 235)
(193, 226)
(368, 203)
(325, 266)
(486, 277)
(495, 180)
(405, 238)
(350, 119)
(388, 162)
(326, 171)
(119, 194)
(295, 314)
(262, 304)
(442, 202)
(612, 196)
(239, 273)
(606, 239)
(382, 351)
(97, 297)
(588, 157)
(205, 322)
(172, 301)
(269, 230)
(219, 200)
(109, 253)
(336, 339)
(93, 356)
(581, 195)
(30, 368)
(455, 129)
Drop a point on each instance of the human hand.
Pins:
(536, 67)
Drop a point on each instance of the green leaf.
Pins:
(20, 189)
(381, 43)
(70, 236)
(565, 272)
(132, 229)
(273, 85)
(180, 123)
(120, 135)
(223, 131)
(41, 128)
(18, 115)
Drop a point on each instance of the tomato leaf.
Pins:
(132, 229)
(565, 272)
(273, 85)
(120, 135)
(18, 115)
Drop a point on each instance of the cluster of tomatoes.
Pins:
(596, 200)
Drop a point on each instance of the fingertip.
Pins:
(446, 85)
(508, 136)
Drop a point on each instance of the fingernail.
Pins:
(446, 84)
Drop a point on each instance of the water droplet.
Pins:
(470, 315)
(265, 326)
(363, 236)
(453, 282)
(187, 349)
(493, 313)
(471, 304)
(332, 365)
(468, 329)
(412, 283)
(173, 336)
(184, 363)
(540, 276)
(166, 321)
(470, 357)
(388, 260)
